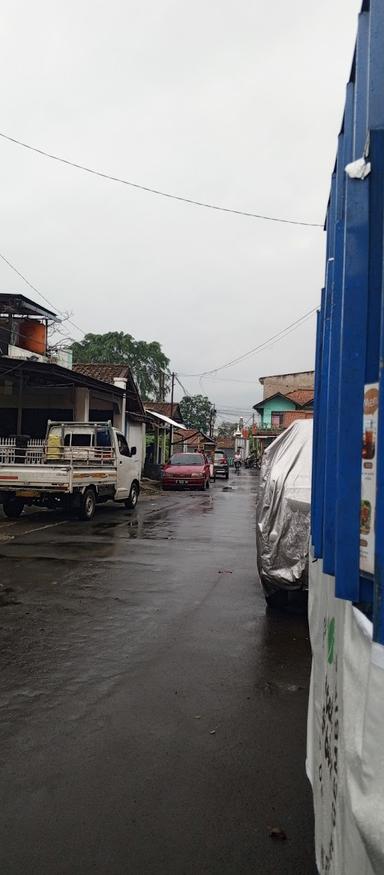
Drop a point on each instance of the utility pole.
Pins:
(212, 418)
(161, 385)
(171, 428)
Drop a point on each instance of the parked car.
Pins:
(220, 465)
(283, 513)
(186, 470)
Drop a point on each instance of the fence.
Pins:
(11, 454)
(36, 451)
(345, 760)
(348, 481)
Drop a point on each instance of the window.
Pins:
(79, 439)
(123, 446)
(276, 419)
(187, 459)
(103, 437)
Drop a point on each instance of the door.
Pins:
(125, 468)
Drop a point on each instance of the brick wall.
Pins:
(291, 415)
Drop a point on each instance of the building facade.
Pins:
(286, 383)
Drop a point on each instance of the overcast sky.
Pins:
(237, 102)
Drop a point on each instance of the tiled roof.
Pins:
(225, 443)
(298, 396)
(192, 436)
(301, 396)
(165, 408)
(106, 374)
(98, 371)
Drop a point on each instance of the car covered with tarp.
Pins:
(283, 513)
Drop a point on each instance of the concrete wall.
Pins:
(288, 383)
(39, 405)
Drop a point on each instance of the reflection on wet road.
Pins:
(152, 713)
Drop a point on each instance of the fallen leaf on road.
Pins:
(277, 833)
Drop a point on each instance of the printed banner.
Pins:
(368, 478)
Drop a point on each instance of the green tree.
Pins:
(146, 360)
(226, 428)
(197, 412)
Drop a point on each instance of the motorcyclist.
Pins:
(237, 460)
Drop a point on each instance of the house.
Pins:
(162, 419)
(273, 408)
(227, 445)
(191, 439)
(38, 383)
(286, 397)
(133, 414)
(32, 392)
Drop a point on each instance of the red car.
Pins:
(186, 470)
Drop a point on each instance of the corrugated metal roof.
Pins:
(167, 409)
(165, 419)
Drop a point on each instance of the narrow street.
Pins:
(153, 714)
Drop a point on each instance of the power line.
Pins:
(158, 191)
(275, 337)
(38, 292)
(214, 379)
(182, 387)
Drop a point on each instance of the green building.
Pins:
(272, 409)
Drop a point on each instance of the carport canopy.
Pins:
(166, 419)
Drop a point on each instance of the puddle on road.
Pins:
(275, 687)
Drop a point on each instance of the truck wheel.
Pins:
(13, 508)
(87, 504)
(131, 501)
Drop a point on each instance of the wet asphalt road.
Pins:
(152, 712)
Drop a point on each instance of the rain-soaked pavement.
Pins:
(152, 712)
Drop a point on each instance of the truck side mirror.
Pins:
(133, 451)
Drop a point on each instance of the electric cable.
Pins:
(157, 191)
(38, 292)
(275, 337)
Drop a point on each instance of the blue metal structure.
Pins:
(350, 334)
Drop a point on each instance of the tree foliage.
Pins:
(196, 411)
(146, 360)
(226, 428)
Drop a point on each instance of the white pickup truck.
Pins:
(82, 464)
